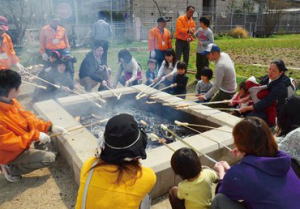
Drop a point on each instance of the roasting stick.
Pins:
(198, 125)
(186, 126)
(154, 137)
(165, 88)
(141, 92)
(33, 84)
(113, 92)
(164, 127)
(81, 126)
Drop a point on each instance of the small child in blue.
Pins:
(204, 85)
(151, 73)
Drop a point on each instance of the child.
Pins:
(205, 36)
(204, 85)
(18, 130)
(168, 68)
(195, 191)
(180, 79)
(151, 73)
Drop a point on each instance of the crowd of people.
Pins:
(268, 172)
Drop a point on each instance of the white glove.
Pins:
(152, 54)
(20, 67)
(45, 56)
(104, 83)
(163, 78)
(59, 130)
(44, 138)
(127, 83)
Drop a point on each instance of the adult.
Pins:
(159, 40)
(225, 79)
(277, 84)
(185, 28)
(53, 37)
(18, 130)
(288, 123)
(204, 36)
(101, 31)
(93, 71)
(115, 178)
(8, 57)
(130, 72)
(264, 178)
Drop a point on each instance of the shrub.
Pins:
(239, 32)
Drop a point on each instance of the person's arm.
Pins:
(135, 69)
(181, 27)
(161, 70)
(12, 52)
(217, 83)
(151, 40)
(169, 40)
(174, 71)
(66, 40)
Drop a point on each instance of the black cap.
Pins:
(162, 19)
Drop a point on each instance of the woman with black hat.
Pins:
(115, 178)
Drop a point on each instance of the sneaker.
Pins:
(8, 176)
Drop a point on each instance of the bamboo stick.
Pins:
(36, 85)
(80, 127)
(220, 143)
(198, 125)
(154, 137)
(164, 127)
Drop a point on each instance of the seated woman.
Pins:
(264, 178)
(130, 72)
(92, 72)
(115, 178)
(56, 74)
(289, 130)
(277, 85)
(168, 68)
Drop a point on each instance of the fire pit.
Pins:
(80, 144)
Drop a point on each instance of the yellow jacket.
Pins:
(104, 193)
(8, 55)
(18, 129)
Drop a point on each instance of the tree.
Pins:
(20, 14)
(156, 4)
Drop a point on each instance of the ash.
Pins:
(149, 122)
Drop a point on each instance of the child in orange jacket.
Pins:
(18, 130)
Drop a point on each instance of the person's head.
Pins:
(54, 22)
(3, 25)
(289, 116)
(162, 22)
(61, 66)
(124, 56)
(10, 82)
(206, 74)
(186, 163)
(54, 56)
(212, 52)
(276, 69)
(204, 22)
(181, 68)
(252, 136)
(98, 49)
(101, 15)
(152, 64)
(190, 11)
(170, 56)
(243, 89)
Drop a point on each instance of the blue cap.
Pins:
(211, 48)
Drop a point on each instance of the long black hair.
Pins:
(170, 52)
(125, 54)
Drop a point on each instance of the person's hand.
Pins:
(44, 138)
(201, 97)
(104, 83)
(59, 130)
(163, 79)
(45, 56)
(155, 80)
(219, 168)
(152, 54)
(20, 67)
(225, 165)
(246, 109)
(127, 83)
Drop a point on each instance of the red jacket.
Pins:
(18, 129)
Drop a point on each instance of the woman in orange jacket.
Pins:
(18, 130)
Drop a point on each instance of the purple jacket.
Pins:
(263, 183)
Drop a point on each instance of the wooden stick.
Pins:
(220, 143)
(113, 92)
(141, 92)
(154, 137)
(36, 85)
(198, 125)
(164, 127)
(80, 127)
